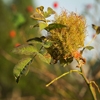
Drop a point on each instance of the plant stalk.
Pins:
(88, 83)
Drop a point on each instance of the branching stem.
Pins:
(63, 76)
(89, 83)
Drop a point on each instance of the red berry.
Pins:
(12, 33)
(55, 5)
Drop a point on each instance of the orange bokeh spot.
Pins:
(12, 33)
(29, 9)
(17, 44)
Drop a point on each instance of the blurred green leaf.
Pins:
(42, 25)
(21, 68)
(18, 19)
(54, 26)
(25, 49)
(45, 58)
(89, 47)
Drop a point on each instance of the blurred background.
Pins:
(15, 29)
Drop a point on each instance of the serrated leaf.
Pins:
(21, 68)
(54, 26)
(89, 47)
(36, 40)
(45, 58)
(25, 49)
(42, 25)
(49, 12)
(48, 43)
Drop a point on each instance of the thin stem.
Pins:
(92, 40)
(88, 83)
(62, 76)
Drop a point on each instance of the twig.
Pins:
(8, 56)
(92, 39)
(63, 76)
(89, 84)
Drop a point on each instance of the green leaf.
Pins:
(89, 47)
(45, 58)
(42, 25)
(21, 68)
(47, 43)
(25, 49)
(36, 40)
(54, 26)
(49, 12)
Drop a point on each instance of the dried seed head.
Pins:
(68, 39)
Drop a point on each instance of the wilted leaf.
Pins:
(41, 8)
(96, 28)
(37, 16)
(54, 26)
(42, 25)
(21, 68)
(89, 47)
(25, 49)
(45, 58)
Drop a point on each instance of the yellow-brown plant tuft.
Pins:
(67, 39)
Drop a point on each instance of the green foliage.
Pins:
(21, 68)
(30, 50)
(49, 12)
(54, 26)
(89, 47)
(25, 49)
(42, 25)
(18, 19)
(44, 58)
(52, 52)
(56, 44)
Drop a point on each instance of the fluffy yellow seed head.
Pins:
(67, 39)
